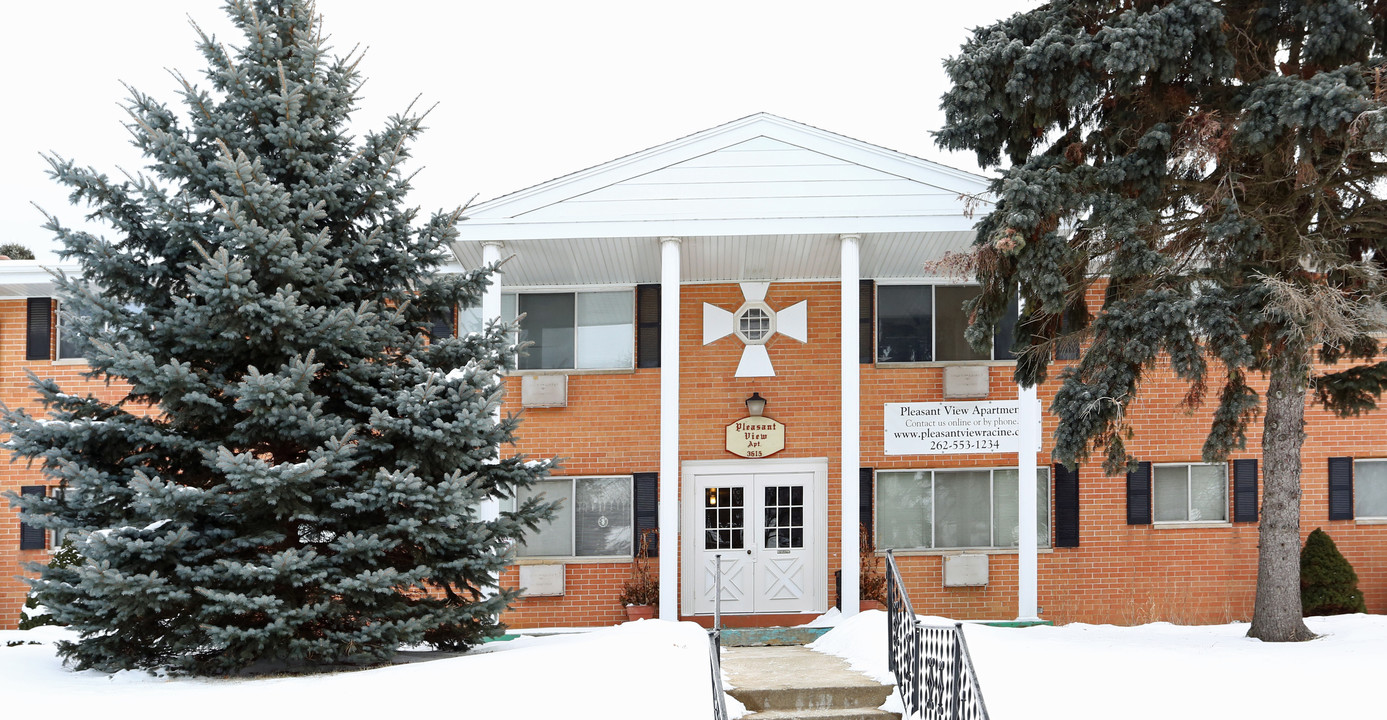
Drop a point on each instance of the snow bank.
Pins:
(1157, 671)
(640, 670)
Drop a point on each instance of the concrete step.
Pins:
(843, 697)
(795, 682)
(837, 714)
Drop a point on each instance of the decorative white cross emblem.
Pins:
(755, 323)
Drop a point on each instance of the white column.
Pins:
(850, 401)
(1027, 572)
(491, 300)
(669, 428)
(490, 509)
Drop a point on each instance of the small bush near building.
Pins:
(1328, 584)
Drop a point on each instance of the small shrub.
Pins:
(64, 556)
(1328, 584)
(643, 587)
(872, 581)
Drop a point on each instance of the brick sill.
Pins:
(960, 551)
(587, 560)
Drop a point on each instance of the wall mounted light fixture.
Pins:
(755, 405)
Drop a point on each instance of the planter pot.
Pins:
(871, 605)
(640, 612)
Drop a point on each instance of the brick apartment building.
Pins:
(768, 260)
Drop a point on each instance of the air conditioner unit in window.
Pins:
(965, 570)
(541, 580)
(544, 391)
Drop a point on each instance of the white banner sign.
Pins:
(947, 428)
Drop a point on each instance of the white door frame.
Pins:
(691, 519)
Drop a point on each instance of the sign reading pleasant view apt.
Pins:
(755, 437)
(945, 428)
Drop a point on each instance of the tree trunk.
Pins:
(1276, 617)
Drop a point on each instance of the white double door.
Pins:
(760, 527)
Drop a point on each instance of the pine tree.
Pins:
(1328, 584)
(294, 475)
(1215, 164)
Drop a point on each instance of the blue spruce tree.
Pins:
(1218, 165)
(295, 473)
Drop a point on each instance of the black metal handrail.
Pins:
(933, 669)
(715, 645)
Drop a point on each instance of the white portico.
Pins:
(758, 200)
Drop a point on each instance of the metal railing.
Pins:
(715, 645)
(933, 670)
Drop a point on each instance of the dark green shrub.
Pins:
(64, 556)
(1328, 584)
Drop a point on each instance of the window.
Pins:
(925, 323)
(956, 508)
(1370, 488)
(71, 344)
(594, 518)
(1193, 492)
(570, 330)
(755, 323)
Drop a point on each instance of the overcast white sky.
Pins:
(525, 91)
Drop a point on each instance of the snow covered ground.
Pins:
(1153, 671)
(647, 669)
(654, 669)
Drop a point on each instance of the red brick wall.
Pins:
(1118, 574)
(15, 392)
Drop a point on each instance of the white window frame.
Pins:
(933, 322)
(1189, 493)
(570, 508)
(1357, 513)
(1048, 505)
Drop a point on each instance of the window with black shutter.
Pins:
(1139, 495)
(443, 323)
(31, 537)
(647, 326)
(1066, 506)
(647, 505)
(864, 504)
(1245, 490)
(1341, 488)
(39, 331)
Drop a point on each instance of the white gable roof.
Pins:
(761, 175)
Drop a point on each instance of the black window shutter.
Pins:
(1139, 495)
(1245, 490)
(647, 504)
(1067, 348)
(1066, 506)
(30, 537)
(1006, 332)
(866, 347)
(39, 334)
(647, 326)
(1341, 488)
(444, 322)
(864, 504)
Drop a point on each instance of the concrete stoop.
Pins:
(786, 683)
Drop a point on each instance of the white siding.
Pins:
(758, 178)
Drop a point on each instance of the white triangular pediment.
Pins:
(758, 175)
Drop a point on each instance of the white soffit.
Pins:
(721, 258)
(761, 175)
